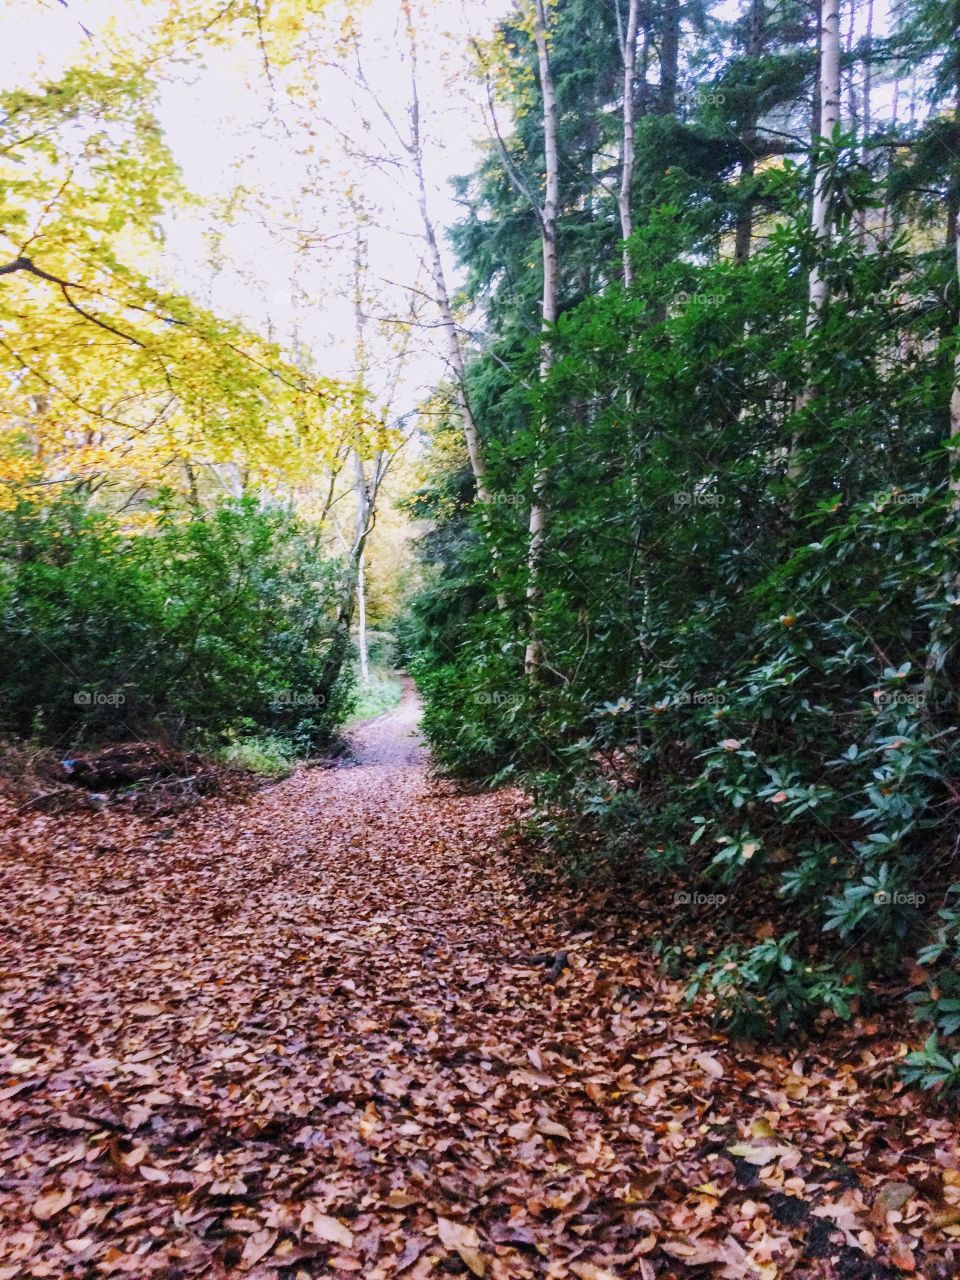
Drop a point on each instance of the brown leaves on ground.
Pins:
(318, 1034)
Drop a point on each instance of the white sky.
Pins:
(228, 128)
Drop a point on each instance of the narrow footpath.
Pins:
(330, 1031)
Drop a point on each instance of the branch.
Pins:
(23, 263)
(101, 324)
(53, 386)
(512, 172)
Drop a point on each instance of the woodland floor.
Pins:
(327, 1030)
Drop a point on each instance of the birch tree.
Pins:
(628, 54)
(827, 116)
(412, 149)
(547, 215)
(413, 146)
(369, 468)
(954, 452)
(829, 120)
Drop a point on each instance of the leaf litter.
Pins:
(323, 1031)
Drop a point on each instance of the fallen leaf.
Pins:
(257, 1246)
(892, 1196)
(587, 1271)
(50, 1205)
(760, 1154)
(711, 1065)
(552, 1129)
(326, 1228)
(464, 1241)
(903, 1258)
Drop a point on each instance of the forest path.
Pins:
(322, 1033)
(391, 738)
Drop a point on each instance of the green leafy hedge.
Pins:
(203, 627)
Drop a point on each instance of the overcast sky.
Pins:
(284, 259)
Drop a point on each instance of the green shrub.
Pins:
(202, 625)
(752, 668)
(266, 754)
(770, 990)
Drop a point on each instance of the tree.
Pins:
(824, 160)
(628, 52)
(547, 214)
(737, 692)
(116, 381)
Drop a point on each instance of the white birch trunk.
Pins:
(829, 119)
(953, 456)
(628, 49)
(533, 658)
(819, 214)
(362, 620)
(455, 357)
(862, 218)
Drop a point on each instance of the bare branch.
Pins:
(513, 173)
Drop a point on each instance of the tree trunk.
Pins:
(643, 96)
(862, 226)
(868, 77)
(953, 240)
(362, 619)
(954, 454)
(365, 489)
(669, 58)
(828, 116)
(533, 658)
(940, 638)
(829, 119)
(455, 356)
(628, 49)
(853, 106)
(455, 359)
(748, 140)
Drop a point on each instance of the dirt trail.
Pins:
(315, 1034)
(393, 738)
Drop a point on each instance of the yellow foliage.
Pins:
(110, 379)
